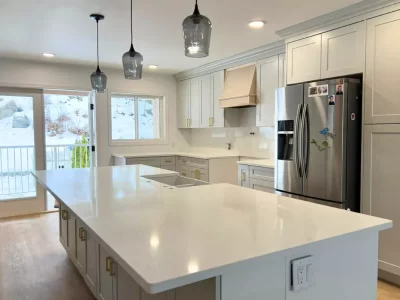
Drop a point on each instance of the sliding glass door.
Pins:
(21, 151)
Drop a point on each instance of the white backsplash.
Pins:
(261, 144)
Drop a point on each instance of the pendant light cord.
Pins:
(97, 22)
(132, 25)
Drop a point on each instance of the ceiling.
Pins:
(63, 27)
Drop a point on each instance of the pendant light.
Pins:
(132, 60)
(197, 34)
(98, 78)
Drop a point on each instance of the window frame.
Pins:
(163, 117)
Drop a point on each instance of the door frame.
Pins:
(23, 206)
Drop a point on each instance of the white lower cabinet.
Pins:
(107, 289)
(380, 196)
(71, 235)
(243, 176)
(257, 178)
(199, 174)
(63, 225)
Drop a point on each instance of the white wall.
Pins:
(16, 73)
(261, 144)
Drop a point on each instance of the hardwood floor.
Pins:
(34, 265)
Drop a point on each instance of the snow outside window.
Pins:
(136, 119)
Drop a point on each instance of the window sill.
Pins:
(137, 142)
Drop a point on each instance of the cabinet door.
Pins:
(381, 188)
(205, 101)
(91, 261)
(184, 171)
(194, 106)
(127, 288)
(243, 176)
(217, 88)
(81, 247)
(267, 83)
(182, 109)
(261, 185)
(304, 60)
(343, 51)
(63, 225)
(105, 288)
(199, 174)
(282, 70)
(71, 245)
(382, 88)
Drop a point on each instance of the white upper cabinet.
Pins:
(267, 83)
(382, 88)
(188, 104)
(183, 103)
(343, 51)
(217, 88)
(304, 60)
(282, 70)
(194, 107)
(205, 101)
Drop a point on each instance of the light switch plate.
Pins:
(302, 273)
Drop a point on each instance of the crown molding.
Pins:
(336, 16)
(235, 60)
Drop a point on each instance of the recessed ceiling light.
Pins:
(153, 67)
(48, 54)
(256, 24)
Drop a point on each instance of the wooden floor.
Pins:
(34, 266)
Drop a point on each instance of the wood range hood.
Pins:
(240, 88)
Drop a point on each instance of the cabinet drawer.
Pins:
(148, 161)
(170, 168)
(198, 163)
(184, 171)
(262, 185)
(199, 174)
(167, 160)
(262, 173)
(182, 160)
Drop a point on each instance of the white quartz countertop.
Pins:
(168, 238)
(200, 154)
(267, 163)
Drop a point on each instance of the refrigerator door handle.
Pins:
(301, 142)
(306, 142)
(296, 154)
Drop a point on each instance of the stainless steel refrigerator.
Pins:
(318, 148)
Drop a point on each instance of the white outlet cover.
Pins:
(302, 273)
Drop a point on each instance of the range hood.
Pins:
(240, 88)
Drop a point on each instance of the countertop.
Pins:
(266, 163)
(168, 238)
(202, 155)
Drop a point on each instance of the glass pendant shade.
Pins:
(197, 34)
(132, 62)
(99, 81)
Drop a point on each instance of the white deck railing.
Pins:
(17, 162)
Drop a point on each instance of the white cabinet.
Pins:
(198, 173)
(304, 60)
(188, 104)
(205, 101)
(262, 185)
(343, 51)
(282, 70)
(382, 90)
(86, 255)
(243, 176)
(71, 240)
(107, 271)
(183, 103)
(267, 83)
(381, 188)
(63, 216)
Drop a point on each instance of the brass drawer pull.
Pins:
(108, 264)
(82, 234)
(64, 214)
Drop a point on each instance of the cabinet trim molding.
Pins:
(343, 14)
(236, 60)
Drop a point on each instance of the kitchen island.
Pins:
(132, 237)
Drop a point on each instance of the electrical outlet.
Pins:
(302, 273)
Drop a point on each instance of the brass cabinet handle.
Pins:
(168, 161)
(64, 214)
(243, 176)
(112, 268)
(82, 234)
(108, 264)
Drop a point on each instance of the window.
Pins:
(136, 119)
